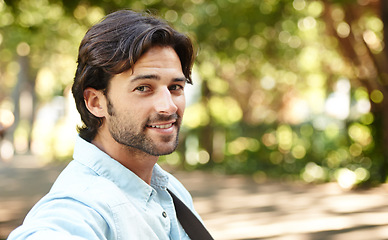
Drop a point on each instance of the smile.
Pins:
(161, 126)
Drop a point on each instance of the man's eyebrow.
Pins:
(146, 76)
(180, 79)
(156, 77)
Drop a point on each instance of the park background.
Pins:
(286, 90)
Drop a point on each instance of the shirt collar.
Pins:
(159, 177)
(103, 165)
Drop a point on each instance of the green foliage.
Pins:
(273, 82)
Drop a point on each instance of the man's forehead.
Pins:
(158, 58)
(154, 55)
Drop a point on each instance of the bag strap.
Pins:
(190, 223)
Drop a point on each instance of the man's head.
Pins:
(112, 47)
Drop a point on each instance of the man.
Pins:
(129, 90)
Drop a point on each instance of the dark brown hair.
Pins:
(112, 46)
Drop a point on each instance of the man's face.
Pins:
(146, 103)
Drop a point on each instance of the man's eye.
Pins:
(142, 88)
(176, 87)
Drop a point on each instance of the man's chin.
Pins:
(161, 151)
(152, 146)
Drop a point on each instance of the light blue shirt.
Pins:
(95, 197)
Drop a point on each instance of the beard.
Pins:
(128, 134)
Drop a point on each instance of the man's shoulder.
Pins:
(179, 190)
(83, 184)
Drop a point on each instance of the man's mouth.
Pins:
(162, 126)
(162, 121)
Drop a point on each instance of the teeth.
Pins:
(162, 126)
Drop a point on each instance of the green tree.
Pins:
(285, 86)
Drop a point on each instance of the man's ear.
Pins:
(95, 101)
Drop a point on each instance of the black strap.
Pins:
(190, 223)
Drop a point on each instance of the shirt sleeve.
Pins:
(62, 218)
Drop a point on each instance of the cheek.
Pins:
(181, 103)
(139, 111)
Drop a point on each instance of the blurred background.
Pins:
(282, 89)
(290, 90)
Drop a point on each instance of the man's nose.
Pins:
(164, 102)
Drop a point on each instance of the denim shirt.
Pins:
(95, 197)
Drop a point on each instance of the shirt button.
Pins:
(164, 214)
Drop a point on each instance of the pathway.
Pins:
(232, 207)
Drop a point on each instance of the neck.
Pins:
(135, 160)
